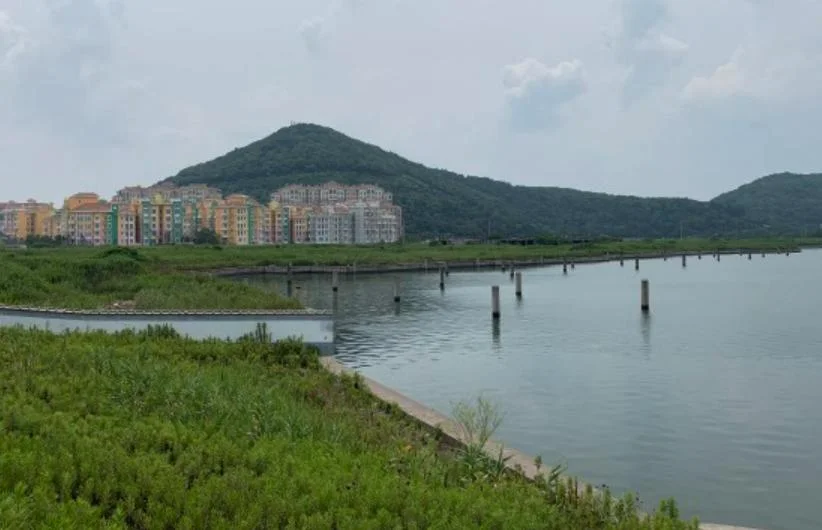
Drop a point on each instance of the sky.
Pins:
(643, 97)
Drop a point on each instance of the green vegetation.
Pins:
(169, 277)
(439, 203)
(149, 430)
(100, 278)
(785, 203)
(173, 259)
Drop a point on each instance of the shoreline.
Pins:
(516, 460)
(464, 265)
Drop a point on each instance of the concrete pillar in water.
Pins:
(519, 285)
(636, 264)
(684, 260)
(335, 280)
(645, 301)
(495, 313)
(442, 278)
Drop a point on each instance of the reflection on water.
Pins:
(645, 329)
(711, 398)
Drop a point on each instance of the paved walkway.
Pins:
(429, 416)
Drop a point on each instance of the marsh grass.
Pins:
(103, 278)
(151, 430)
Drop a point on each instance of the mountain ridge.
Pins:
(438, 202)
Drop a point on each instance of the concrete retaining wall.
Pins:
(313, 327)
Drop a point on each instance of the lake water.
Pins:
(715, 398)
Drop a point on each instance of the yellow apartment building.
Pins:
(89, 224)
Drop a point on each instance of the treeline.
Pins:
(439, 203)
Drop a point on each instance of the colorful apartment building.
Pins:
(165, 214)
(334, 213)
(19, 221)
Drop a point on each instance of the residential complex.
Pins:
(333, 213)
(165, 214)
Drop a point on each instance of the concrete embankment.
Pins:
(516, 460)
(434, 265)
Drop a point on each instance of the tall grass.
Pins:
(150, 430)
(104, 277)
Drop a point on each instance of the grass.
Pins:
(150, 430)
(100, 278)
(169, 277)
(177, 258)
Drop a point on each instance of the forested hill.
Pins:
(781, 203)
(438, 202)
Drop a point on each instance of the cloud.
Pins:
(62, 80)
(536, 92)
(12, 41)
(316, 31)
(648, 53)
(726, 81)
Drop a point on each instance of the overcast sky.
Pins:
(647, 97)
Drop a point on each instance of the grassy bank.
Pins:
(100, 278)
(153, 431)
(177, 258)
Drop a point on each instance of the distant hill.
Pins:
(440, 203)
(780, 203)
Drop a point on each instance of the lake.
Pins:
(714, 398)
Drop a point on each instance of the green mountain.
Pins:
(781, 203)
(439, 203)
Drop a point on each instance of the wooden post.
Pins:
(750, 257)
(645, 301)
(442, 278)
(335, 280)
(718, 256)
(564, 268)
(636, 264)
(621, 262)
(495, 313)
(397, 290)
(699, 256)
(512, 273)
(519, 285)
(684, 260)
